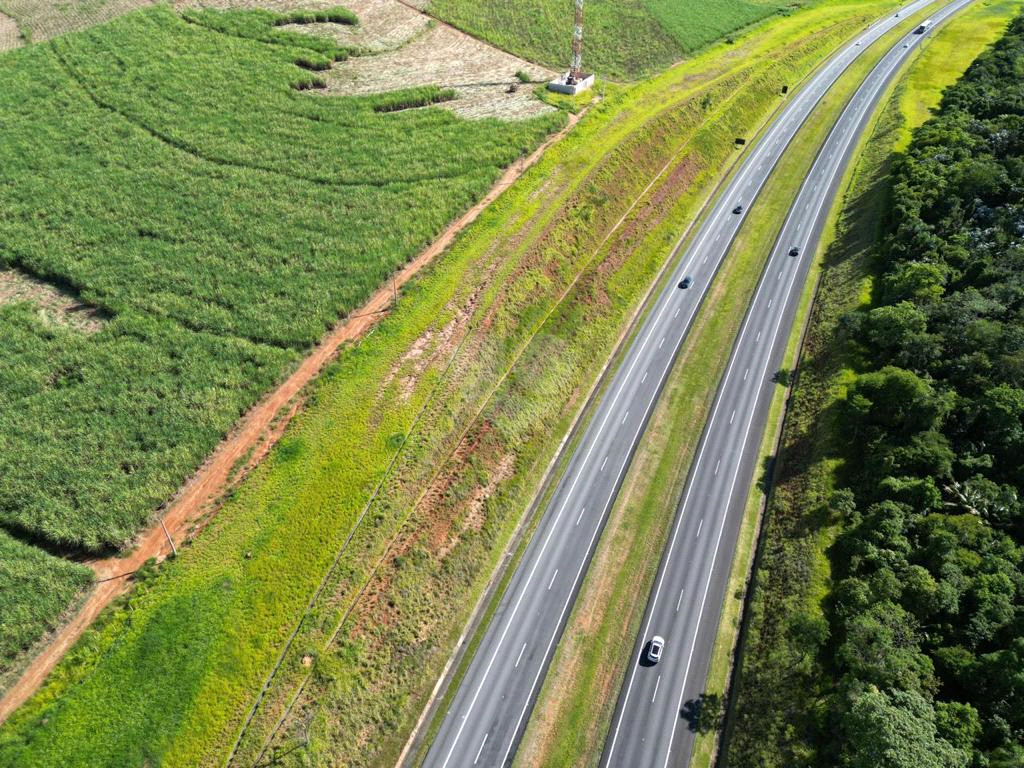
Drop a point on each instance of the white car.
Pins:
(654, 649)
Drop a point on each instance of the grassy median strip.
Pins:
(574, 712)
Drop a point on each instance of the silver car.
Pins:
(655, 648)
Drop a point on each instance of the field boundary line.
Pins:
(248, 442)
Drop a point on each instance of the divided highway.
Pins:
(650, 725)
(489, 711)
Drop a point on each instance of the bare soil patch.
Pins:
(54, 306)
(437, 54)
(10, 35)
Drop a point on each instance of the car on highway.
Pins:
(738, 209)
(654, 649)
(686, 282)
(794, 251)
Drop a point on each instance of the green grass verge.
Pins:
(579, 696)
(170, 678)
(792, 571)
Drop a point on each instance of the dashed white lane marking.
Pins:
(718, 237)
(552, 582)
(677, 312)
(581, 515)
(745, 373)
(732, 417)
(779, 276)
(758, 336)
(603, 463)
(680, 600)
(479, 751)
(705, 260)
(699, 526)
(769, 303)
(661, 343)
(644, 378)
(717, 466)
(520, 658)
(656, 684)
(624, 418)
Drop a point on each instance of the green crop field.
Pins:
(34, 588)
(622, 38)
(218, 219)
(211, 221)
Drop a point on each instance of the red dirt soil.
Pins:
(250, 440)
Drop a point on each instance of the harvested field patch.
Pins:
(52, 305)
(10, 35)
(440, 55)
(46, 19)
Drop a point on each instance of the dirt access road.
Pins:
(247, 444)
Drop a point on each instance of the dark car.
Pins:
(654, 649)
(685, 282)
(794, 251)
(738, 209)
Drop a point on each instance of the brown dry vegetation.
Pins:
(46, 19)
(53, 305)
(10, 35)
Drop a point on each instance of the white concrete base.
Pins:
(561, 85)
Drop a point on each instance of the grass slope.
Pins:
(623, 38)
(221, 221)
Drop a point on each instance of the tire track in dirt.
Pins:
(245, 446)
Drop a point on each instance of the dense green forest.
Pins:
(917, 658)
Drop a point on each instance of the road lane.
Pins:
(488, 712)
(649, 733)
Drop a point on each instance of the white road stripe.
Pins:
(481, 748)
(603, 463)
(699, 526)
(551, 583)
(581, 515)
(680, 600)
(656, 684)
(520, 657)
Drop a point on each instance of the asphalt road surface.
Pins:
(488, 713)
(652, 723)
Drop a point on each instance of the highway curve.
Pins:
(489, 710)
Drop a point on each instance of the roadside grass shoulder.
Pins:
(775, 660)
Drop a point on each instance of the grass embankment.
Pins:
(575, 708)
(170, 679)
(623, 38)
(792, 573)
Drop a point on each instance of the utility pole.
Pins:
(576, 68)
